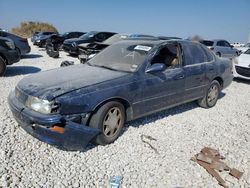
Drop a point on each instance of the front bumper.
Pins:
(74, 137)
(70, 49)
(241, 72)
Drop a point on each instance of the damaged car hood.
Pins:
(56, 82)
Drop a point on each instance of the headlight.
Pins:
(10, 44)
(38, 41)
(236, 60)
(74, 44)
(39, 105)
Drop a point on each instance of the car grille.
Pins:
(21, 96)
(243, 71)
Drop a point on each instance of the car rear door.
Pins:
(194, 60)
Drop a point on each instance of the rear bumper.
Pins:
(74, 137)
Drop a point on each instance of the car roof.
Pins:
(153, 41)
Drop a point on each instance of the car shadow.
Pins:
(20, 70)
(241, 80)
(31, 56)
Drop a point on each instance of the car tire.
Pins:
(212, 95)
(19, 52)
(218, 54)
(2, 66)
(110, 119)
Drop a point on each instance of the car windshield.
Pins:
(247, 52)
(88, 35)
(64, 34)
(122, 56)
(207, 42)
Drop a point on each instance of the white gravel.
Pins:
(181, 132)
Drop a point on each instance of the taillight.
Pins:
(212, 48)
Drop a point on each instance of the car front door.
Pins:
(163, 89)
(194, 60)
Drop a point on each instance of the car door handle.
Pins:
(179, 76)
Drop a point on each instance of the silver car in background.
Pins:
(221, 48)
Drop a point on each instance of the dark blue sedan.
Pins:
(72, 106)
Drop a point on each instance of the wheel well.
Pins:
(125, 103)
(219, 79)
(4, 58)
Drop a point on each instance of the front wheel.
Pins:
(212, 95)
(110, 119)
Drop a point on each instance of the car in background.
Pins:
(34, 35)
(41, 38)
(72, 106)
(8, 54)
(167, 38)
(243, 48)
(55, 42)
(242, 65)
(71, 45)
(87, 51)
(221, 48)
(22, 45)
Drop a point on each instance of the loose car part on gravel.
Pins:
(210, 159)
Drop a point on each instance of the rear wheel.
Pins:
(212, 95)
(218, 54)
(110, 119)
(2, 66)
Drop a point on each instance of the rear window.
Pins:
(207, 42)
(193, 54)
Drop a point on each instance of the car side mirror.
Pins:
(156, 67)
(231, 46)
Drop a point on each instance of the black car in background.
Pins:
(41, 38)
(71, 45)
(55, 42)
(8, 54)
(34, 35)
(88, 51)
(22, 45)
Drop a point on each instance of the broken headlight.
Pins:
(39, 105)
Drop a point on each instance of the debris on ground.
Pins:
(67, 63)
(210, 159)
(115, 181)
(143, 137)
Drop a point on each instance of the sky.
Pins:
(210, 19)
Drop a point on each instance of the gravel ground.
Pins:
(181, 132)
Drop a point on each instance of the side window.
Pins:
(220, 43)
(193, 54)
(227, 44)
(168, 55)
(208, 53)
